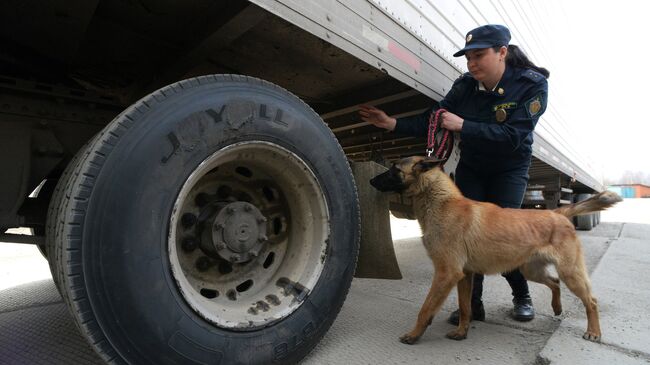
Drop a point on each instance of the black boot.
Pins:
(523, 310)
(478, 314)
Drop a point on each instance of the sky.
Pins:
(598, 53)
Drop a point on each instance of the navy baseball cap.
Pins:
(485, 36)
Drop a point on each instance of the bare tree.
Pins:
(630, 177)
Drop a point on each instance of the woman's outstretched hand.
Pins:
(376, 117)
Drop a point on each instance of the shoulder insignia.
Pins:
(533, 76)
(463, 77)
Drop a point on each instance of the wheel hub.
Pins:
(239, 232)
(227, 270)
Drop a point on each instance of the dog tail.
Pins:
(598, 202)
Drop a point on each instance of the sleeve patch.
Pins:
(534, 105)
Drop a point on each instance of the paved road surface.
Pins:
(35, 327)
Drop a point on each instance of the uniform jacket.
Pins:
(485, 140)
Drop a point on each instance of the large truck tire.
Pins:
(54, 212)
(584, 222)
(215, 221)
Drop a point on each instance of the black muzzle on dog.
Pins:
(388, 181)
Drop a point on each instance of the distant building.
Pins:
(631, 190)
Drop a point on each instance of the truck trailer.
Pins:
(196, 173)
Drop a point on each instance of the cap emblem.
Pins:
(469, 38)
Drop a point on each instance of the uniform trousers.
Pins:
(504, 187)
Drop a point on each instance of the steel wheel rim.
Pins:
(262, 190)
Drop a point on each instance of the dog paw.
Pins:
(557, 307)
(457, 335)
(409, 339)
(591, 337)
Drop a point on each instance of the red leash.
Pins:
(439, 149)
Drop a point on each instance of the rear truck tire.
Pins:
(54, 212)
(596, 218)
(584, 222)
(215, 221)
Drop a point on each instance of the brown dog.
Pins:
(463, 236)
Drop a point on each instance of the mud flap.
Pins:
(376, 254)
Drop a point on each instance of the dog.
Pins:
(463, 237)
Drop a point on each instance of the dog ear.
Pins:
(428, 164)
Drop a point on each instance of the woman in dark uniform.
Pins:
(495, 107)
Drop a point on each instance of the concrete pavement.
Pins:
(35, 327)
(377, 312)
(620, 283)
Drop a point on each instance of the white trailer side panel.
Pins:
(414, 40)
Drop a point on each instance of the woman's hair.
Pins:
(517, 58)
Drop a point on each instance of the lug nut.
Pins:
(231, 294)
(188, 220)
(230, 210)
(218, 226)
(203, 263)
(247, 208)
(262, 239)
(189, 244)
(261, 220)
